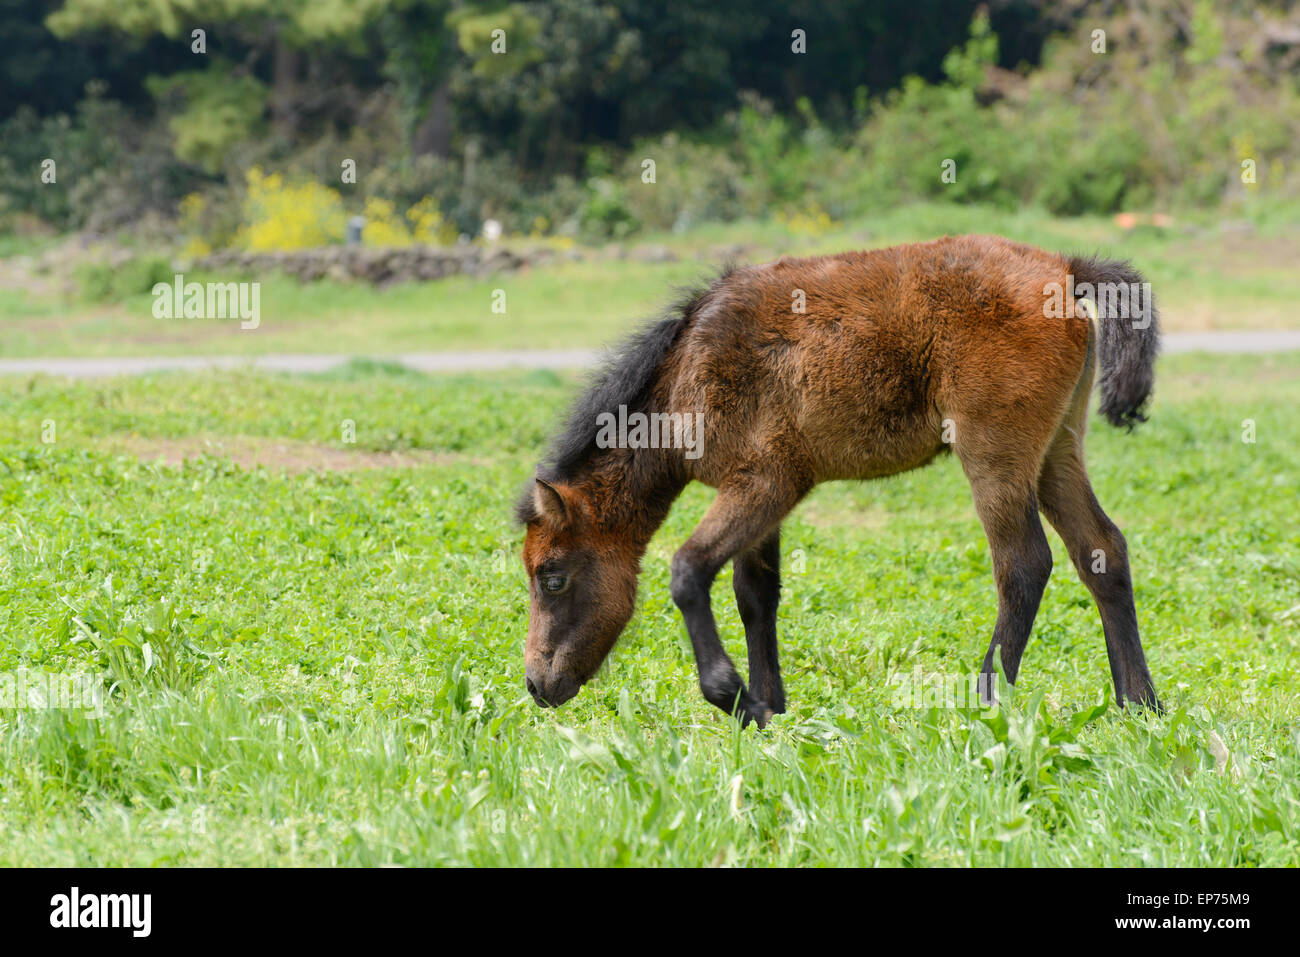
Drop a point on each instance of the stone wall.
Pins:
(414, 263)
(365, 264)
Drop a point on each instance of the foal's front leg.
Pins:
(746, 511)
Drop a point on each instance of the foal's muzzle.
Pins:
(551, 691)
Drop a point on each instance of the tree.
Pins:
(278, 29)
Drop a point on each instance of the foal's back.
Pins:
(871, 363)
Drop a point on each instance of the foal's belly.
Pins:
(870, 413)
(875, 452)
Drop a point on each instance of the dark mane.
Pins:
(624, 378)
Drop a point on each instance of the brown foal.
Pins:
(852, 366)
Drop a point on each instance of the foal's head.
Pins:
(582, 590)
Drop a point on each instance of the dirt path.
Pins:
(420, 361)
(1174, 342)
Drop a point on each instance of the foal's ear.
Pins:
(550, 504)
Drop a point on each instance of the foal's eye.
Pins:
(554, 584)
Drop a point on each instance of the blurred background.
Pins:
(384, 167)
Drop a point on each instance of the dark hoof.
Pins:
(759, 713)
(751, 710)
(988, 693)
(1143, 702)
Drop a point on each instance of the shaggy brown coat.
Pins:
(898, 355)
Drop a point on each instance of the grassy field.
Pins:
(315, 646)
(1207, 275)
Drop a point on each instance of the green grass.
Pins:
(335, 666)
(1205, 280)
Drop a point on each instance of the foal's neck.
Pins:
(633, 489)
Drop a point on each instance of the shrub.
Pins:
(283, 215)
(113, 282)
(694, 182)
(606, 215)
(422, 223)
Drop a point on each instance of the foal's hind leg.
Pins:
(1002, 476)
(1100, 556)
(749, 508)
(1022, 563)
(756, 580)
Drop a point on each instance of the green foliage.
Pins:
(145, 647)
(695, 182)
(113, 282)
(110, 169)
(923, 131)
(304, 20)
(966, 66)
(551, 137)
(1207, 35)
(1098, 171)
(606, 215)
(562, 57)
(1149, 128)
(1098, 152)
(79, 149)
(413, 33)
(500, 43)
(212, 111)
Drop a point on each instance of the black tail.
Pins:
(1128, 334)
